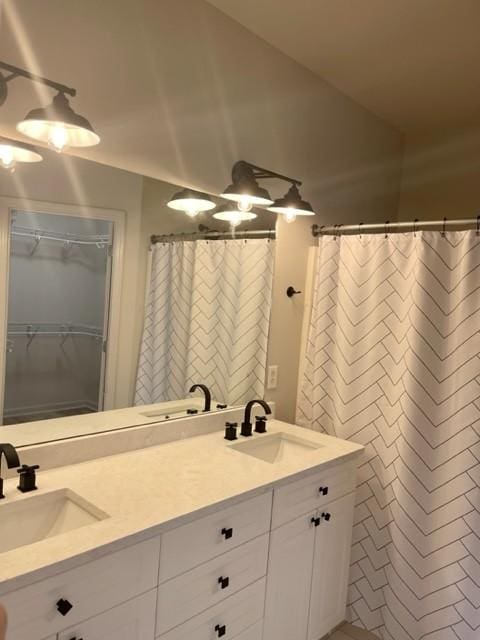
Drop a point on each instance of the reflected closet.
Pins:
(58, 293)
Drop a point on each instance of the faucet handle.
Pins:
(261, 424)
(27, 480)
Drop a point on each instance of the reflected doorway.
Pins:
(60, 269)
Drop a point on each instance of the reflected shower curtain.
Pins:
(393, 363)
(207, 320)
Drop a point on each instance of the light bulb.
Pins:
(244, 204)
(58, 137)
(291, 216)
(235, 218)
(7, 157)
(191, 213)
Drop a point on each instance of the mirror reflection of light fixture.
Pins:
(245, 189)
(56, 124)
(292, 205)
(12, 152)
(191, 202)
(233, 214)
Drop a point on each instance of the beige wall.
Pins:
(441, 176)
(178, 91)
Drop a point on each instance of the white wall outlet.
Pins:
(272, 376)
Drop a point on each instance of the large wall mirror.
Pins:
(114, 301)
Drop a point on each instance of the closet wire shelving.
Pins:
(69, 240)
(62, 331)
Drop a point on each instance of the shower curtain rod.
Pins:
(396, 227)
(215, 235)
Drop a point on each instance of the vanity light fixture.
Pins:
(292, 205)
(246, 191)
(12, 151)
(56, 124)
(232, 214)
(191, 202)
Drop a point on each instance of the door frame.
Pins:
(117, 217)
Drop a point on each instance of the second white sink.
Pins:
(43, 516)
(277, 447)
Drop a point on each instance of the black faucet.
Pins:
(13, 461)
(206, 391)
(246, 429)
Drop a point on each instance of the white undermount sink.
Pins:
(277, 447)
(172, 410)
(43, 516)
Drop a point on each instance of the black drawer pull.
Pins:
(315, 521)
(64, 606)
(323, 491)
(74, 638)
(221, 630)
(228, 533)
(326, 516)
(224, 582)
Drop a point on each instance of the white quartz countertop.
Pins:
(148, 491)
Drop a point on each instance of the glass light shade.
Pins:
(12, 152)
(233, 215)
(191, 202)
(59, 126)
(292, 204)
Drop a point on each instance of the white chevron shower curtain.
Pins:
(392, 362)
(207, 320)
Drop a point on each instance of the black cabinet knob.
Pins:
(228, 533)
(221, 630)
(326, 516)
(323, 491)
(224, 582)
(64, 606)
(315, 521)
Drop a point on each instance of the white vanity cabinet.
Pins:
(309, 559)
(133, 620)
(89, 590)
(212, 573)
(269, 567)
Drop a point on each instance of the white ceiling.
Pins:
(415, 63)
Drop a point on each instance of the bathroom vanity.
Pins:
(195, 539)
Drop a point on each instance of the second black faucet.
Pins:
(246, 429)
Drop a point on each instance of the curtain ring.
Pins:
(444, 227)
(415, 227)
(335, 232)
(339, 231)
(478, 225)
(360, 224)
(386, 229)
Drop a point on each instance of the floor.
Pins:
(349, 632)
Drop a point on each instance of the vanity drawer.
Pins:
(194, 543)
(134, 620)
(91, 588)
(307, 494)
(237, 614)
(194, 591)
(252, 633)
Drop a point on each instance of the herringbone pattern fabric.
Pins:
(393, 363)
(207, 320)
